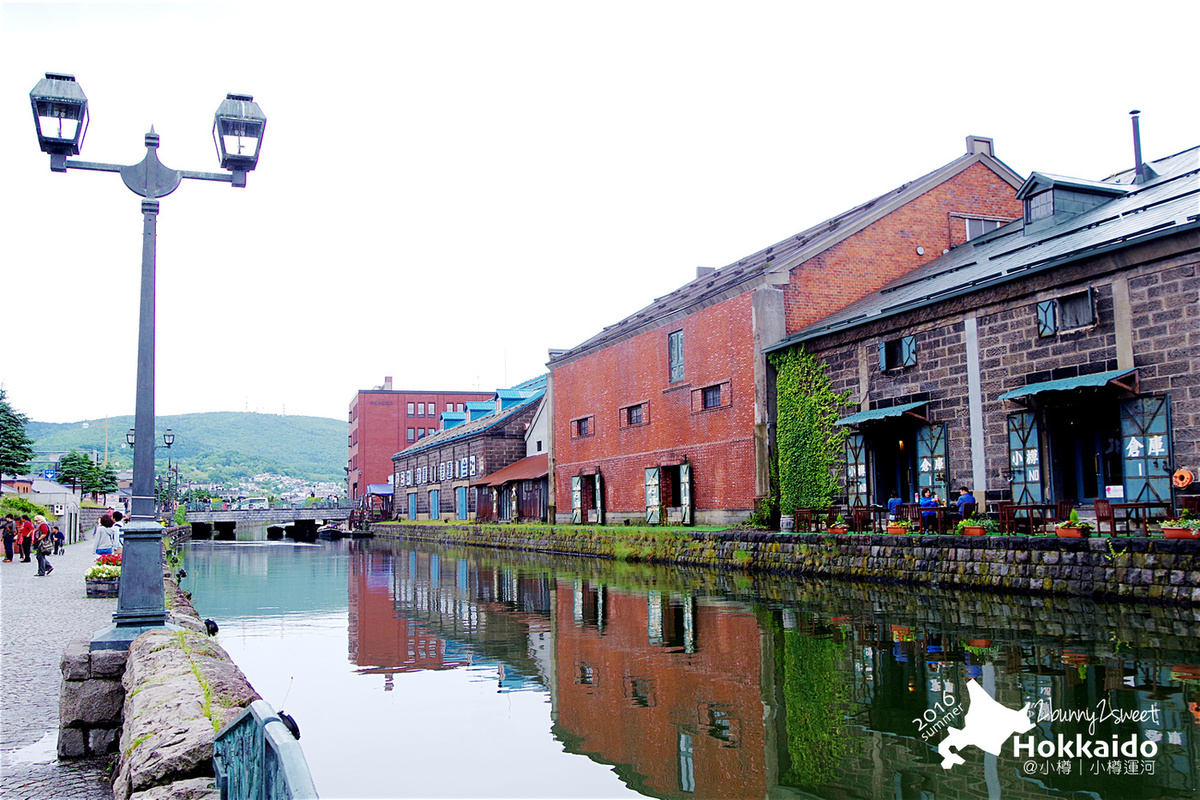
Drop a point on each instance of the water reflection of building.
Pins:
(411, 610)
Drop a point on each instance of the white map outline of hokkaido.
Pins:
(987, 725)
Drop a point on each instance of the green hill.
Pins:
(221, 447)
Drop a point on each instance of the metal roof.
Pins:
(780, 257)
(475, 426)
(880, 413)
(1164, 205)
(1065, 384)
(527, 468)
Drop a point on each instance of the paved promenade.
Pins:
(38, 618)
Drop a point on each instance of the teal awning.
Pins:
(880, 413)
(1083, 381)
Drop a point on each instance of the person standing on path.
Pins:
(25, 537)
(43, 543)
(9, 529)
(105, 538)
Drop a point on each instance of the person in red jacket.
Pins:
(25, 537)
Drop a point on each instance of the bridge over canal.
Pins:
(296, 522)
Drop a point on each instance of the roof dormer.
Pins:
(1051, 199)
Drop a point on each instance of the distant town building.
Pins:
(384, 421)
(449, 475)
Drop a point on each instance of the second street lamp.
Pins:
(60, 115)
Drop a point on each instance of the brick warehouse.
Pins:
(678, 427)
(384, 421)
(1054, 360)
(434, 478)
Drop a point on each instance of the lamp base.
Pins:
(119, 637)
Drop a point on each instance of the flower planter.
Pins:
(972, 530)
(102, 587)
(1066, 532)
(981, 643)
(897, 529)
(1181, 533)
(834, 529)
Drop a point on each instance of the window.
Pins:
(411, 409)
(978, 227)
(460, 406)
(420, 409)
(633, 415)
(412, 434)
(582, 427)
(420, 433)
(1039, 206)
(449, 406)
(675, 355)
(898, 353)
(539, 445)
(710, 396)
(1070, 312)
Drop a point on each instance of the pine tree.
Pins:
(16, 448)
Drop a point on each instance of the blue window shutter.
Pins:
(908, 351)
(883, 365)
(1047, 322)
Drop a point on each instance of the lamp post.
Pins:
(60, 113)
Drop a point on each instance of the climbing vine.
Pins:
(810, 445)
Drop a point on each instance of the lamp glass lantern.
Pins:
(238, 129)
(169, 437)
(60, 113)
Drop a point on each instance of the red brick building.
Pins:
(664, 415)
(384, 421)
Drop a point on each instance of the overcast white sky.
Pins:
(449, 189)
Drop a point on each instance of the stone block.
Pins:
(102, 741)
(109, 663)
(72, 743)
(76, 662)
(90, 703)
(193, 789)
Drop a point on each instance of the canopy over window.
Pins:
(884, 413)
(1126, 379)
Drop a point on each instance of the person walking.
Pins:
(43, 543)
(105, 538)
(118, 531)
(9, 528)
(60, 540)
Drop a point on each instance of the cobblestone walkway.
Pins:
(39, 617)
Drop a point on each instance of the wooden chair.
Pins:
(862, 519)
(912, 513)
(968, 509)
(1105, 516)
(1190, 502)
(804, 520)
(1008, 521)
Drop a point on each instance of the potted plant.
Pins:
(1185, 527)
(838, 525)
(1072, 528)
(898, 526)
(103, 579)
(976, 525)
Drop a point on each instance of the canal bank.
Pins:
(1125, 568)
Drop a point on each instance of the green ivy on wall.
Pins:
(810, 446)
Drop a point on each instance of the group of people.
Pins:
(24, 537)
(929, 501)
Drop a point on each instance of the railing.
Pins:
(221, 506)
(256, 757)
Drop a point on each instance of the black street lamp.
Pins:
(60, 113)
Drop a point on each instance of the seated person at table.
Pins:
(929, 502)
(892, 505)
(964, 497)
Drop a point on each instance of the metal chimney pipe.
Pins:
(1139, 175)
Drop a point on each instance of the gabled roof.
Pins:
(772, 264)
(480, 424)
(527, 468)
(1041, 181)
(1165, 205)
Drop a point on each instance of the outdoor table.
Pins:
(1042, 511)
(1141, 510)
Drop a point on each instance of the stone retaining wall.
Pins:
(157, 706)
(1143, 569)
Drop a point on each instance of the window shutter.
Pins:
(1146, 449)
(599, 500)
(685, 491)
(908, 351)
(1024, 458)
(576, 499)
(652, 496)
(883, 365)
(1046, 318)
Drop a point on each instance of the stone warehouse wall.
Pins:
(1153, 570)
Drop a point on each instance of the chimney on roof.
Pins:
(1142, 171)
(980, 144)
(702, 271)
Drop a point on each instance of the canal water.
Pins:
(419, 671)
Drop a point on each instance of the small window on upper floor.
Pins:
(412, 408)
(633, 415)
(1066, 313)
(1039, 206)
(711, 396)
(898, 353)
(582, 427)
(978, 227)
